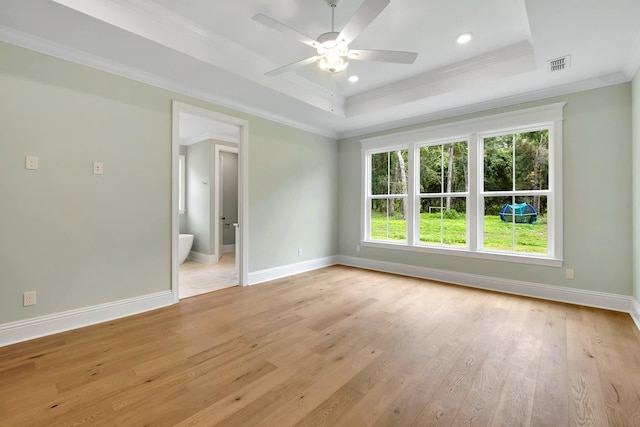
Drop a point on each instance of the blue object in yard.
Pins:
(522, 213)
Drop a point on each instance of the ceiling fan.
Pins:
(333, 52)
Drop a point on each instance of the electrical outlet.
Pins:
(98, 169)
(568, 273)
(299, 252)
(357, 248)
(29, 298)
(31, 162)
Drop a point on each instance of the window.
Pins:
(443, 193)
(516, 191)
(181, 184)
(388, 196)
(484, 188)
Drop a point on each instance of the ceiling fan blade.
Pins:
(367, 12)
(395, 56)
(295, 65)
(285, 29)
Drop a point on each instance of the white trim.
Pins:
(519, 257)
(243, 187)
(47, 47)
(38, 44)
(228, 248)
(535, 290)
(36, 327)
(635, 312)
(203, 258)
(484, 106)
(529, 117)
(473, 131)
(290, 269)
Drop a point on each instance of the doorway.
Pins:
(227, 135)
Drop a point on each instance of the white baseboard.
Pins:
(290, 269)
(549, 292)
(203, 258)
(635, 312)
(36, 327)
(228, 248)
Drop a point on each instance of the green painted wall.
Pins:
(80, 239)
(597, 230)
(635, 96)
(293, 176)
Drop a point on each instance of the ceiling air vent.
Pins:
(559, 63)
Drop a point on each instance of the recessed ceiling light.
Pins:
(354, 79)
(464, 38)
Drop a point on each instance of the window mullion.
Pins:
(411, 196)
(474, 224)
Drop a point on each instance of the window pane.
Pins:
(380, 173)
(443, 168)
(498, 163)
(498, 234)
(516, 224)
(431, 170)
(531, 233)
(389, 172)
(443, 221)
(388, 219)
(532, 160)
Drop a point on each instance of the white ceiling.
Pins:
(213, 50)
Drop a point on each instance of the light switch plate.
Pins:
(31, 162)
(98, 169)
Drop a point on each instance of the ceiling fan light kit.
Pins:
(334, 56)
(332, 48)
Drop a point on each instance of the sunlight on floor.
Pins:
(197, 278)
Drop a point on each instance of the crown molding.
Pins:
(160, 25)
(535, 95)
(47, 47)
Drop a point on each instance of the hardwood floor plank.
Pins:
(551, 399)
(338, 346)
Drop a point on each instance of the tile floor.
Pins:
(196, 278)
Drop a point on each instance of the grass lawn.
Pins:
(498, 235)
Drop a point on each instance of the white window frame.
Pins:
(473, 130)
(369, 197)
(420, 195)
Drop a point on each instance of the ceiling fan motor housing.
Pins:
(328, 40)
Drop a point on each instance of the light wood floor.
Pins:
(196, 278)
(335, 347)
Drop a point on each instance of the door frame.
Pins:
(243, 188)
(218, 168)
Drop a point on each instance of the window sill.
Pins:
(492, 256)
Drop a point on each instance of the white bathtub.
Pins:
(184, 246)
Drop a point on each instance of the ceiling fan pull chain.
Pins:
(333, 86)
